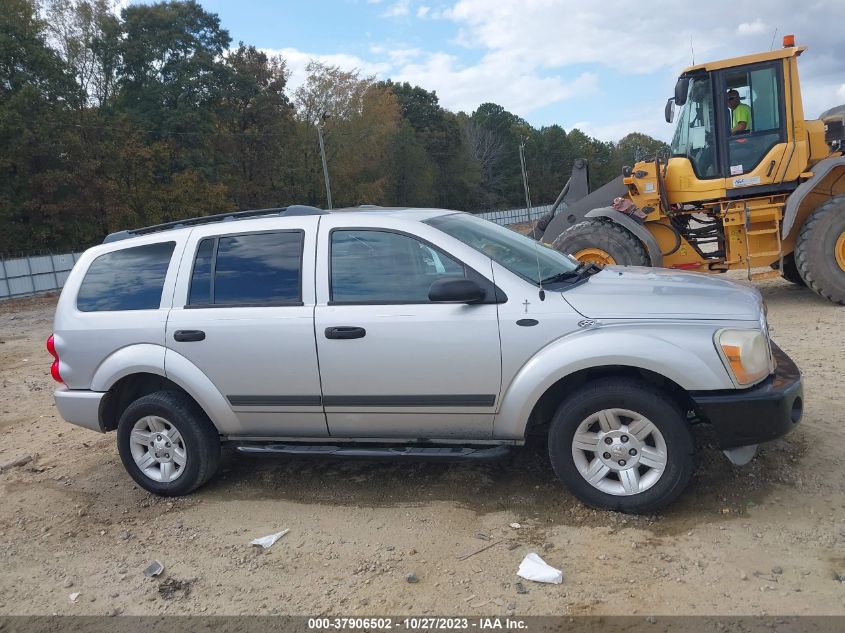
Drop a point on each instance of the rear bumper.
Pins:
(764, 412)
(79, 407)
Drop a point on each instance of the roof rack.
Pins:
(284, 212)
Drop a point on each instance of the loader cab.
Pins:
(703, 124)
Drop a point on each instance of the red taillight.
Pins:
(54, 368)
(54, 372)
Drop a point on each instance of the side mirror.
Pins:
(681, 89)
(455, 291)
(670, 110)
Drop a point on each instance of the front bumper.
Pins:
(761, 413)
(79, 407)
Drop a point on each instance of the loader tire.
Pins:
(602, 242)
(790, 270)
(820, 250)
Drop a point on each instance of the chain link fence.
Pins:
(515, 216)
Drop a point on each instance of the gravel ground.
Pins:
(76, 534)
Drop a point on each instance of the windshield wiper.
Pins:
(583, 270)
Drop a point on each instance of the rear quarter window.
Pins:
(128, 279)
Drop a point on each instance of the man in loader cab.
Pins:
(740, 114)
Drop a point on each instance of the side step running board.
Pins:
(362, 450)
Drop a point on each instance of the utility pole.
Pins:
(323, 156)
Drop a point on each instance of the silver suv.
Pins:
(409, 332)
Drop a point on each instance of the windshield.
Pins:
(519, 254)
(694, 135)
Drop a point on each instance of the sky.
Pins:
(605, 67)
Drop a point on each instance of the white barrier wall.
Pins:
(22, 276)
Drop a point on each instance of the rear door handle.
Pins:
(345, 331)
(186, 336)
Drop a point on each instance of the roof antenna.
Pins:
(773, 39)
(528, 207)
(692, 50)
(320, 124)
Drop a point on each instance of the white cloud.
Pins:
(466, 87)
(397, 9)
(531, 54)
(403, 55)
(752, 28)
(821, 96)
(297, 61)
(459, 87)
(544, 36)
(646, 118)
(555, 34)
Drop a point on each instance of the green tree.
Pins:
(455, 176)
(635, 147)
(85, 34)
(598, 154)
(171, 72)
(360, 120)
(36, 91)
(255, 129)
(502, 179)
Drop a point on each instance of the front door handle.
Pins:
(186, 336)
(345, 331)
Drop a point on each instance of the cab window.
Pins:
(695, 132)
(753, 98)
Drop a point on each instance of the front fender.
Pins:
(685, 357)
(821, 170)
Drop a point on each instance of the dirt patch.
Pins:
(765, 538)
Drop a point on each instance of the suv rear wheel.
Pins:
(167, 444)
(623, 445)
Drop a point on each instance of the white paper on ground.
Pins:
(267, 541)
(535, 568)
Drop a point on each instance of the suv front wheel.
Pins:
(167, 444)
(623, 445)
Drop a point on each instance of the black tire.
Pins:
(790, 270)
(201, 441)
(815, 249)
(638, 397)
(615, 240)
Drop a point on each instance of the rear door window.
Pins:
(255, 269)
(128, 279)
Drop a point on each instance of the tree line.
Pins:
(112, 121)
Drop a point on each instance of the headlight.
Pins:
(746, 354)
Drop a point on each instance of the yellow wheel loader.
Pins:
(749, 184)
